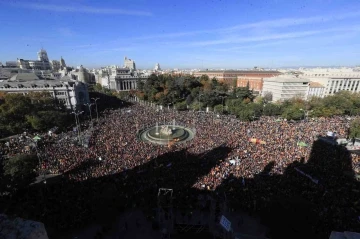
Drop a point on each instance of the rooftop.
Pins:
(287, 79)
(24, 77)
(37, 84)
(313, 84)
(241, 72)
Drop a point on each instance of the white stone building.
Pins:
(55, 65)
(130, 64)
(42, 63)
(334, 80)
(120, 78)
(285, 87)
(72, 93)
(315, 89)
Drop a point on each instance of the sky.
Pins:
(229, 34)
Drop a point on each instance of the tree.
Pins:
(272, 109)
(13, 112)
(98, 87)
(355, 128)
(181, 105)
(189, 99)
(218, 108)
(293, 113)
(140, 84)
(21, 169)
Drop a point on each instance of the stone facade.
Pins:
(72, 93)
(285, 87)
(120, 78)
(55, 65)
(255, 84)
(238, 78)
(315, 89)
(334, 80)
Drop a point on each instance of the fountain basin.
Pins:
(155, 135)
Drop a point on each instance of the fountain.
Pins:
(157, 129)
(166, 130)
(168, 133)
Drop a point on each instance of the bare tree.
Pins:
(267, 97)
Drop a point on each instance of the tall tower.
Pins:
(62, 63)
(157, 67)
(42, 55)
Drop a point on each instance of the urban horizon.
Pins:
(184, 34)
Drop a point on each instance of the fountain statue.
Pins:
(174, 124)
(166, 130)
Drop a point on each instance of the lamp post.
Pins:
(89, 105)
(222, 104)
(38, 156)
(97, 115)
(172, 103)
(77, 121)
(199, 102)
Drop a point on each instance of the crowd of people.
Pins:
(120, 170)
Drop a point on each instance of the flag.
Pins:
(301, 144)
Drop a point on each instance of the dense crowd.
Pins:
(134, 168)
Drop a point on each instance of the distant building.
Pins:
(42, 55)
(240, 78)
(55, 65)
(62, 64)
(11, 64)
(315, 89)
(120, 78)
(83, 75)
(42, 63)
(255, 84)
(334, 80)
(8, 72)
(157, 67)
(285, 87)
(130, 64)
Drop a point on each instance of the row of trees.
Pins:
(32, 112)
(188, 92)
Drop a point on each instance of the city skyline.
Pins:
(184, 34)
